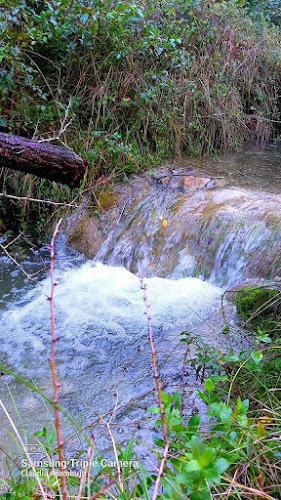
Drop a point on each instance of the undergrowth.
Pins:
(127, 85)
(236, 452)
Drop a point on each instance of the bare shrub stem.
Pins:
(108, 427)
(158, 387)
(56, 384)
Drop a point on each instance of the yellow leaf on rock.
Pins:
(165, 223)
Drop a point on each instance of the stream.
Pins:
(214, 237)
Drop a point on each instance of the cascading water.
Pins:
(223, 235)
(103, 332)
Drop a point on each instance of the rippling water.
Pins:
(213, 238)
(103, 338)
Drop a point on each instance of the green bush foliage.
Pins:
(131, 79)
(128, 84)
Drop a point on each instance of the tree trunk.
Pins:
(41, 159)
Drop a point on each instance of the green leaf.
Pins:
(127, 454)
(42, 433)
(221, 464)
(166, 398)
(220, 410)
(218, 378)
(203, 494)
(177, 399)
(203, 396)
(155, 409)
(277, 363)
(159, 442)
(256, 356)
(94, 28)
(193, 465)
(193, 423)
(212, 474)
(209, 385)
(197, 447)
(207, 457)
(242, 406)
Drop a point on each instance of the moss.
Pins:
(86, 235)
(261, 307)
(107, 197)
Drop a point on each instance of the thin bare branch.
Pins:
(102, 490)
(28, 275)
(158, 387)
(56, 384)
(38, 200)
(256, 492)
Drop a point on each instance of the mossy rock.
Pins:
(261, 307)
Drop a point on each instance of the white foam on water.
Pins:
(110, 300)
(102, 327)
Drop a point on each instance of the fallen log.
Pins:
(42, 159)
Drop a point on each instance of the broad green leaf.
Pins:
(221, 464)
(256, 356)
(209, 385)
(197, 447)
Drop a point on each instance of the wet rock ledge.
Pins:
(176, 224)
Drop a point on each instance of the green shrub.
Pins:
(127, 85)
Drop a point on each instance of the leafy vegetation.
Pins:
(271, 9)
(236, 450)
(129, 84)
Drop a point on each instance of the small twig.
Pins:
(29, 276)
(38, 200)
(107, 424)
(158, 387)
(258, 493)
(14, 240)
(63, 126)
(122, 212)
(85, 471)
(56, 385)
(102, 490)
